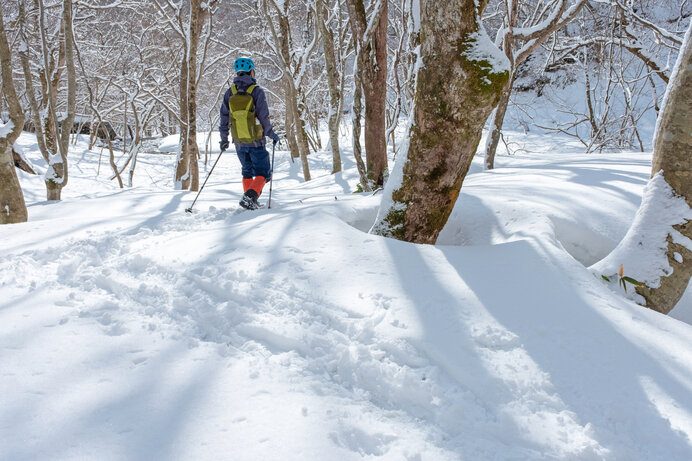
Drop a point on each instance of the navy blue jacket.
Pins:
(243, 82)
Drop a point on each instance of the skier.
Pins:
(243, 104)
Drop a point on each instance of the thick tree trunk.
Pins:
(12, 205)
(458, 85)
(673, 156)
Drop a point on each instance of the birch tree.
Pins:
(12, 205)
(657, 249)
(459, 82)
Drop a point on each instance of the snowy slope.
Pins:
(132, 330)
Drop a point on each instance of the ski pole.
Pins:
(189, 210)
(271, 179)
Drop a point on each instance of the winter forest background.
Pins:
(138, 66)
(466, 225)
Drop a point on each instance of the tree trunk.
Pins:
(182, 171)
(197, 16)
(458, 85)
(12, 205)
(332, 82)
(496, 122)
(357, 149)
(375, 91)
(301, 137)
(371, 66)
(673, 156)
(187, 170)
(21, 163)
(56, 174)
(291, 127)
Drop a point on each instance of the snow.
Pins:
(643, 250)
(6, 129)
(130, 329)
(483, 49)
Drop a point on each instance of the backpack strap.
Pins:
(234, 89)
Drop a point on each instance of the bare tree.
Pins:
(293, 63)
(527, 24)
(54, 62)
(188, 25)
(334, 69)
(620, 52)
(459, 83)
(12, 206)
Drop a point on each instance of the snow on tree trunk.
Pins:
(657, 249)
(12, 205)
(459, 82)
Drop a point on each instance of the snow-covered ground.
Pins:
(131, 330)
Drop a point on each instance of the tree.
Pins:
(12, 205)
(292, 63)
(370, 75)
(334, 70)
(538, 22)
(54, 62)
(657, 249)
(189, 25)
(458, 84)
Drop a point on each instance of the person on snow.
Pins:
(243, 105)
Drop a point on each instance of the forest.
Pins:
(474, 242)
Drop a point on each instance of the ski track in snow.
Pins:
(106, 280)
(289, 334)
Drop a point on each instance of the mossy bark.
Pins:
(673, 155)
(455, 92)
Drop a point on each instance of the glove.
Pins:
(276, 139)
(223, 144)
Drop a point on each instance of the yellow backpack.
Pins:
(241, 106)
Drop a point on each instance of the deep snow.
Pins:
(132, 330)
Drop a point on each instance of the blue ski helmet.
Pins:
(243, 65)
